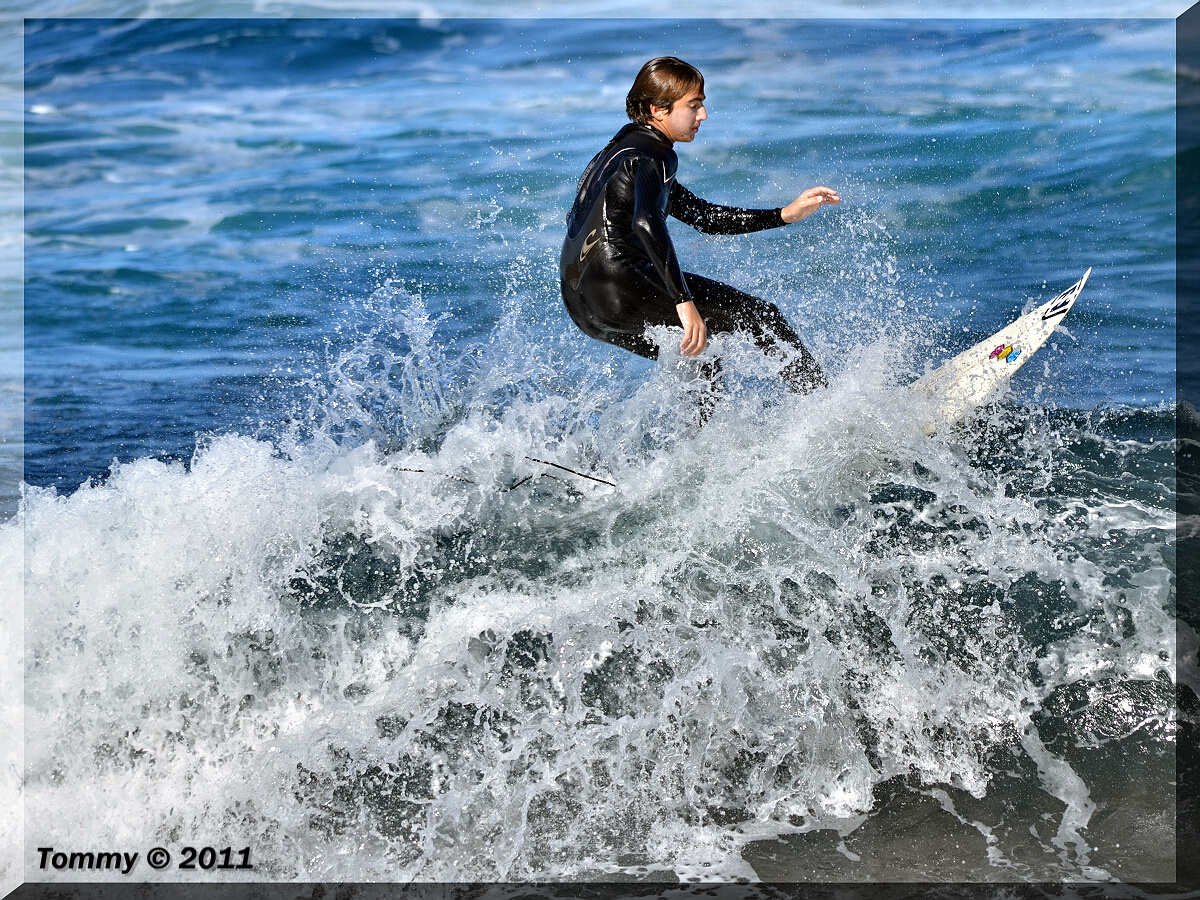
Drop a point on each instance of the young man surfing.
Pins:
(618, 268)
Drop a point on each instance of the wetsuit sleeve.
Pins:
(709, 218)
(651, 228)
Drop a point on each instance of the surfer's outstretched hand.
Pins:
(695, 332)
(808, 203)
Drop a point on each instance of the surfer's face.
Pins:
(683, 121)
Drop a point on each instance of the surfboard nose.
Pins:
(969, 379)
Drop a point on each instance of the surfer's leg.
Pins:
(712, 384)
(726, 309)
(601, 302)
(618, 307)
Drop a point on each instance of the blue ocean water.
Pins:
(201, 198)
(299, 568)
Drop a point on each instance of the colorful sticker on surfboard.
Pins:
(1005, 352)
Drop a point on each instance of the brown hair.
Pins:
(661, 82)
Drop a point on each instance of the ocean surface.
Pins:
(342, 544)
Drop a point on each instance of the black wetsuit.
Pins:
(618, 267)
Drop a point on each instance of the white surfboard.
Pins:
(975, 375)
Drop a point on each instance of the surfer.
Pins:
(618, 268)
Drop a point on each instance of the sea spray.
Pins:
(394, 664)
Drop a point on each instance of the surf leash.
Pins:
(513, 487)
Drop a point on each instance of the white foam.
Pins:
(433, 660)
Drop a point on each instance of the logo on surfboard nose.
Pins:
(1061, 304)
(1005, 352)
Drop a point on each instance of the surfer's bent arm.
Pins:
(709, 218)
(651, 229)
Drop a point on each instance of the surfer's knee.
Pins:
(803, 374)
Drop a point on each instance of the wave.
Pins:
(471, 620)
